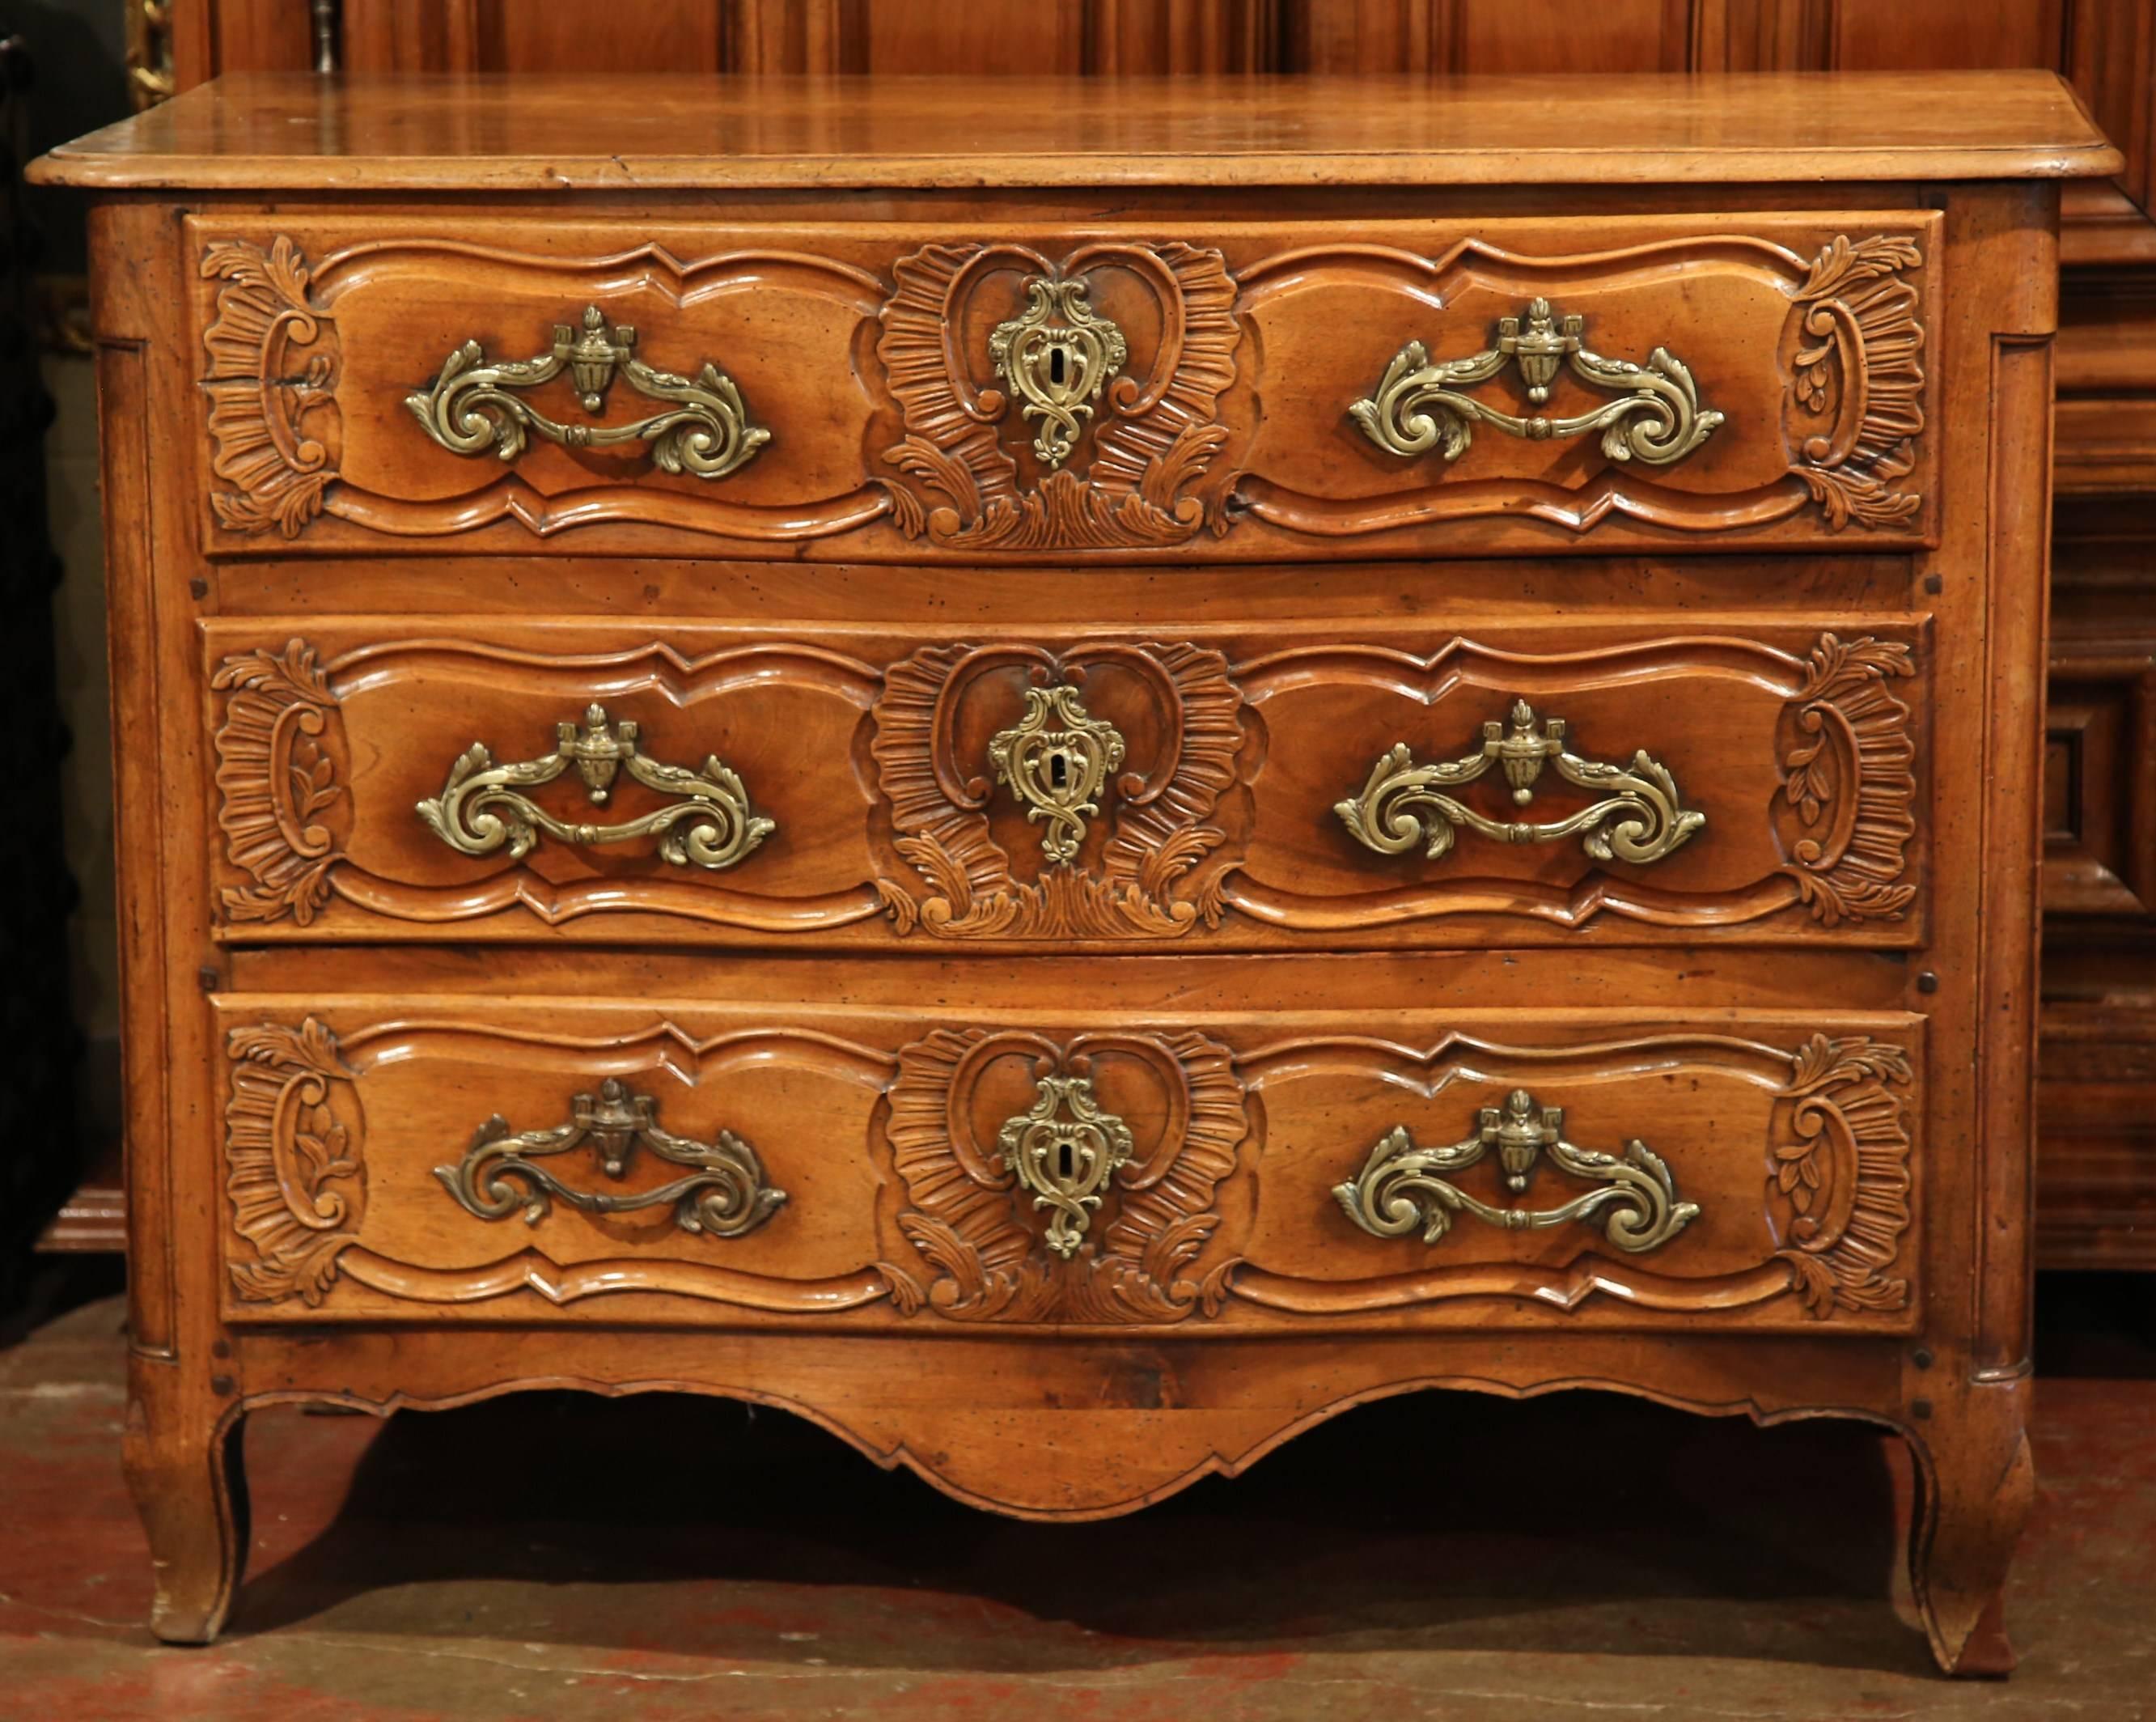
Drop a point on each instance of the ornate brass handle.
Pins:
(724, 1194)
(470, 407)
(1417, 404)
(479, 808)
(1639, 820)
(1397, 1190)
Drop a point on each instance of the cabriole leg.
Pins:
(1975, 1484)
(187, 1478)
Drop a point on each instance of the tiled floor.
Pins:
(553, 1557)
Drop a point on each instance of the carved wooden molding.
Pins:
(977, 1223)
(1842, 1172)
(1850, 781)
(276, 782)
(1844, 815)
(265, 326)
(297, 1180)
(1164, 855)
(1837, 1196)
(1134, 468)
(1864, 372)
(1850, 385)
(1076, 1180)
(275, 358)
(293, 1168)
(1157, 874)
(1156, 437)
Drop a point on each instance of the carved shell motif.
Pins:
(1071, 1215)
(1156, 873)
(1148, 484)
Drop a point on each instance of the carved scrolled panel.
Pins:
(921, 394)
(283, 780)
(408, 782)
(693, 1162)
(1364, 787)
(1762, 1171)
(315, 337)
(296, 1167)
(1262, 1168)
(1764, 381)
(1709, 781)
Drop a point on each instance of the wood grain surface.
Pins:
(1800, 1039)
(265, 131)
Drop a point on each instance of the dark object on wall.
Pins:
(39, 1041)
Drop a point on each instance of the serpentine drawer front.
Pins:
(1226, 787)
(1220, 390)
(1070, 805)
(921, 1170)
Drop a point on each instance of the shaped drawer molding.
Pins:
(1121, 1169)
(1238, 789)
(929, 393)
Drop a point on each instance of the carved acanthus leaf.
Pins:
(1862, 365)
(1842, 1172)
(1849, 776)
(275, 784)
(293, 1165)
(258, 405)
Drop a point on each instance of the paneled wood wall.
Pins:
(2098, 1166)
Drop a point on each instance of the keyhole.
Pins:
(1056, 366)
(1067, 1161)
(1058, 771)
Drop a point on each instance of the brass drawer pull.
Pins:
(1639, 819)
(470, 408)
(479, 808)
(1397, 1190)
(724, 1194)
(1416, 405)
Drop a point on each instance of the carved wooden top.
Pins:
(552, 134)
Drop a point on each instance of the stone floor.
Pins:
(553, 1557)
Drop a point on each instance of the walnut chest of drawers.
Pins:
(1070, 805)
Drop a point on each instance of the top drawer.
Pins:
(1213, 390)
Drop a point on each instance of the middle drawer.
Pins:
(1634, 778)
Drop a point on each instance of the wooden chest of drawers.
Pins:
(1070, 808)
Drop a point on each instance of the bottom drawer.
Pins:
(1226, 1171)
